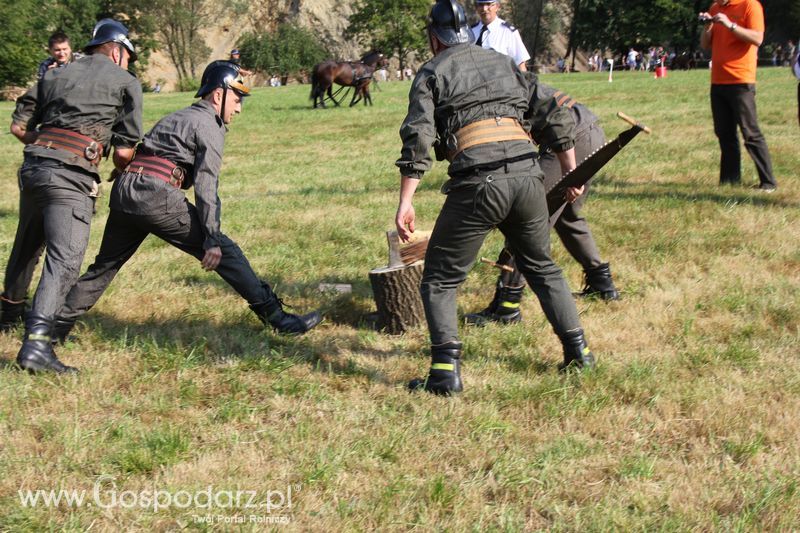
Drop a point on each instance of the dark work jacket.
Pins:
(459, 86)
(91, 96)
(556, 119)
(192, 138)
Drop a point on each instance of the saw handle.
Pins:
(634, 122)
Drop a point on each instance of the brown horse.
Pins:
(347, 74)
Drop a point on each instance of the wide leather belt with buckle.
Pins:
(490, 130)
(157, 167)
(72, 142)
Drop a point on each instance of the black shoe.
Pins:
(271, 312)
(504, 307)
(290, 324)
(444, 376)
(576, 352)
(12, 313)
(36, 353)
(766, 187)
(598, 283)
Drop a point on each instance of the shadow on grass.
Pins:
(687, 192)
(352, 308)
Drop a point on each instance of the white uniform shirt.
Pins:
(504, 38)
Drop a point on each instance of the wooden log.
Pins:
(396, 292)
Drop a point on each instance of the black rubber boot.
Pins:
(36, 354)
(444, 376)
(504, 307)
(576, 352)
(598, 282)
(12, 313)
(61, 329)
(271, 312)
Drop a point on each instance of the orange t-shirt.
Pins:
(733, 60)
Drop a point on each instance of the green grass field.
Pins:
(690, 421)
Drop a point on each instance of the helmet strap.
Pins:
(222, 108)
(121, 53)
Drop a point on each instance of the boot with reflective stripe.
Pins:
(444, 376)
(271, 312)
(36, 354)
(599, 283)
(504, 307)
(12, 313)
(576, 352)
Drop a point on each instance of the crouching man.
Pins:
(183, 149)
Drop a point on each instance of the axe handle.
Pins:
(496, 265)
(634, 122)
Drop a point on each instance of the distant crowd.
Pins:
(776, 54)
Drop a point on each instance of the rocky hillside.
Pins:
(328, 18)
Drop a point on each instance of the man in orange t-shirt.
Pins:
(733, 31)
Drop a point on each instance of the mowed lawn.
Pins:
(689, 422)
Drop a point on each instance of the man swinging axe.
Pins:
(183, 149)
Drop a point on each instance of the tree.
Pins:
(22, 33)
(396, 27)
(289, 50)
(620, 24)
(178, 24)
(538, 21)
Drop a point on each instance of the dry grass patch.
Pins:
(687, 424)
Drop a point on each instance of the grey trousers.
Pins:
(125, 232)
(732, 106)
(571, 227)
(511, 199)
(55, 213)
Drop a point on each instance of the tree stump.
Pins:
(396, 292)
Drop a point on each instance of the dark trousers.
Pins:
(571, 227)
(55, 213)
(734, 106)
(123, 235)
(513, 201)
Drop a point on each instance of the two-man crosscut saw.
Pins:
(587, 168)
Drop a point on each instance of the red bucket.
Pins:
(661, 72)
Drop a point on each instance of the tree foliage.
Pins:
(21, 35)
(27, 24)
(396, 27)
(620, 24)
(538, 21)
(291, 49)
(179, 24)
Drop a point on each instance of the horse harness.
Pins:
(360, 72)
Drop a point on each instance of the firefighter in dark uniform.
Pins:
(469, 104)
(555, 140)
(81, 111)
(183, 149)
